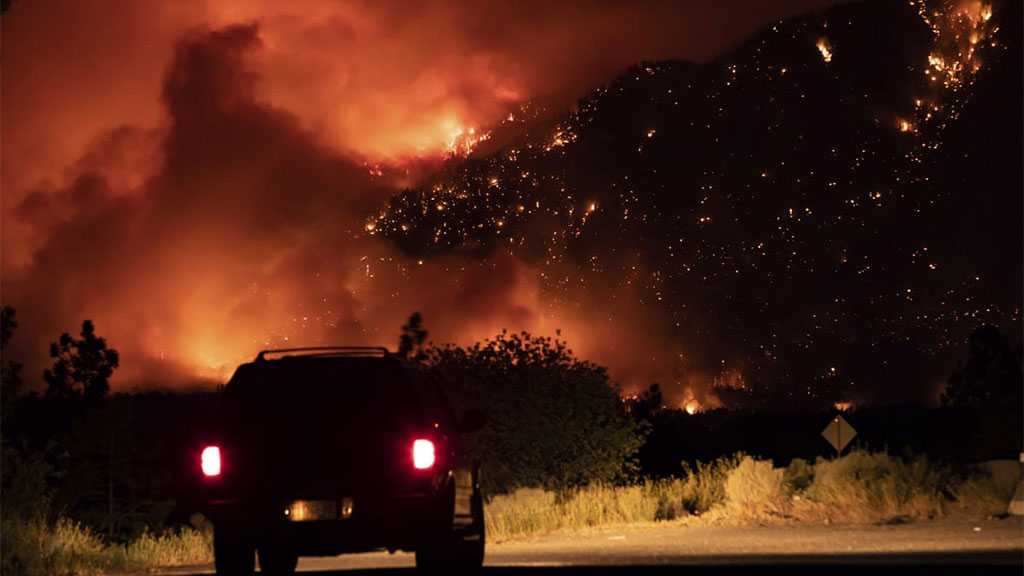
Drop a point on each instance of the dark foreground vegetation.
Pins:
(97, 479)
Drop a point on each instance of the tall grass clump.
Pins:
(31, 547)
(183, 547)
(755, 489)
(864, 486)
(703, 485)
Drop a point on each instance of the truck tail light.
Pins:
(209, 461)
(423, 454)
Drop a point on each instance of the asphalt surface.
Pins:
(984, 546)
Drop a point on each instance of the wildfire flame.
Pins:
(825, 47)
(959, 29)
(462, 141)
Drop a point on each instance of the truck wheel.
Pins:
(462, 549)
(233, 552)
(277, 559)
(470, 551)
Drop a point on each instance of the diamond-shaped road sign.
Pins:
(839, 433)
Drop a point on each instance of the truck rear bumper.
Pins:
(396, 523)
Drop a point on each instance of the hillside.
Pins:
(835, 201)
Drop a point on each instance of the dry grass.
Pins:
(989, 488)
(535, 511)
(860, 487)
(183, 547)
(67, 548)
(868, 487)
(32, 547)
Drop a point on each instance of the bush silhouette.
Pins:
(552, 420)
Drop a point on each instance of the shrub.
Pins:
(25, 493)
(553, 420)
(754, 488)
(866, 486)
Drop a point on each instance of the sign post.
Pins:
(839, 433)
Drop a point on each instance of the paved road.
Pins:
(947, 546)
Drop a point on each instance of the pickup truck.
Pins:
(324, 451)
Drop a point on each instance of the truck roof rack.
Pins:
(364, 351)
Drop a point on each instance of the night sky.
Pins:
(809, 209)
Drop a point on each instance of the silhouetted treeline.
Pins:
(959, 434)
(980, 419)
(120, 468)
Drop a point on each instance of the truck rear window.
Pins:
(365, 393)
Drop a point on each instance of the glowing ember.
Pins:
(843, 406)
(560, 138)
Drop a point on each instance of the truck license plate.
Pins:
(308, 510)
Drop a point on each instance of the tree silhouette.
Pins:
(10, 372)
(81, 367)
(7, 325)
(645, 405)
(414, 335)
(992, 375)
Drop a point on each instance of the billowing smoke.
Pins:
(194, 177)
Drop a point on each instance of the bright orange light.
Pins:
(461, 141)
(843, 406)
(691, 407)
(422, 454)
(825, 47)
(210, 461)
